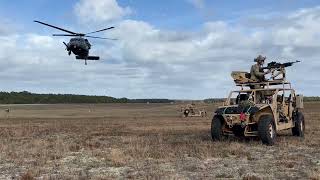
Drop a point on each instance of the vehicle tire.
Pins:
(267, 130)
(186, 113)
(216, 129)
(299, 125)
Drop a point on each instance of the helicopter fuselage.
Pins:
(79, 46)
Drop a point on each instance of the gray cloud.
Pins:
(222, 47)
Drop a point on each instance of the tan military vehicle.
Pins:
(261, 112)
(191, 111)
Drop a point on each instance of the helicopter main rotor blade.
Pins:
(101, 38)
(55, 27)
(65, 35)
(100, 30)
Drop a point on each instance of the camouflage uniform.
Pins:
(257, 75)
(256, 72)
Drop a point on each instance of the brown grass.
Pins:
(148, 141)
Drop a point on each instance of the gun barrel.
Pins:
(290, 63)
(275, 65)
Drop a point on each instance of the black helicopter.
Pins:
(79, 45)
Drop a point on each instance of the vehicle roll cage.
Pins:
(274, 85)
(267, 85)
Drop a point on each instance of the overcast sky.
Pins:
(181, 49)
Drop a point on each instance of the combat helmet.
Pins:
(260, 58)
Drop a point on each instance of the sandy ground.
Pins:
(144, 141)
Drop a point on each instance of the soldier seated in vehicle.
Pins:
(267, 96)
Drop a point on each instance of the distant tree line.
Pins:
(311, 98)
(214, 100)
(150, 101)
(26, 97)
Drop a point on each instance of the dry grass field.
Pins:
(144, 141)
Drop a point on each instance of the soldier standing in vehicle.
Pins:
(258, 75)
(256, 72)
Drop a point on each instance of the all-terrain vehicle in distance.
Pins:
(260, 112)
(191, 111)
